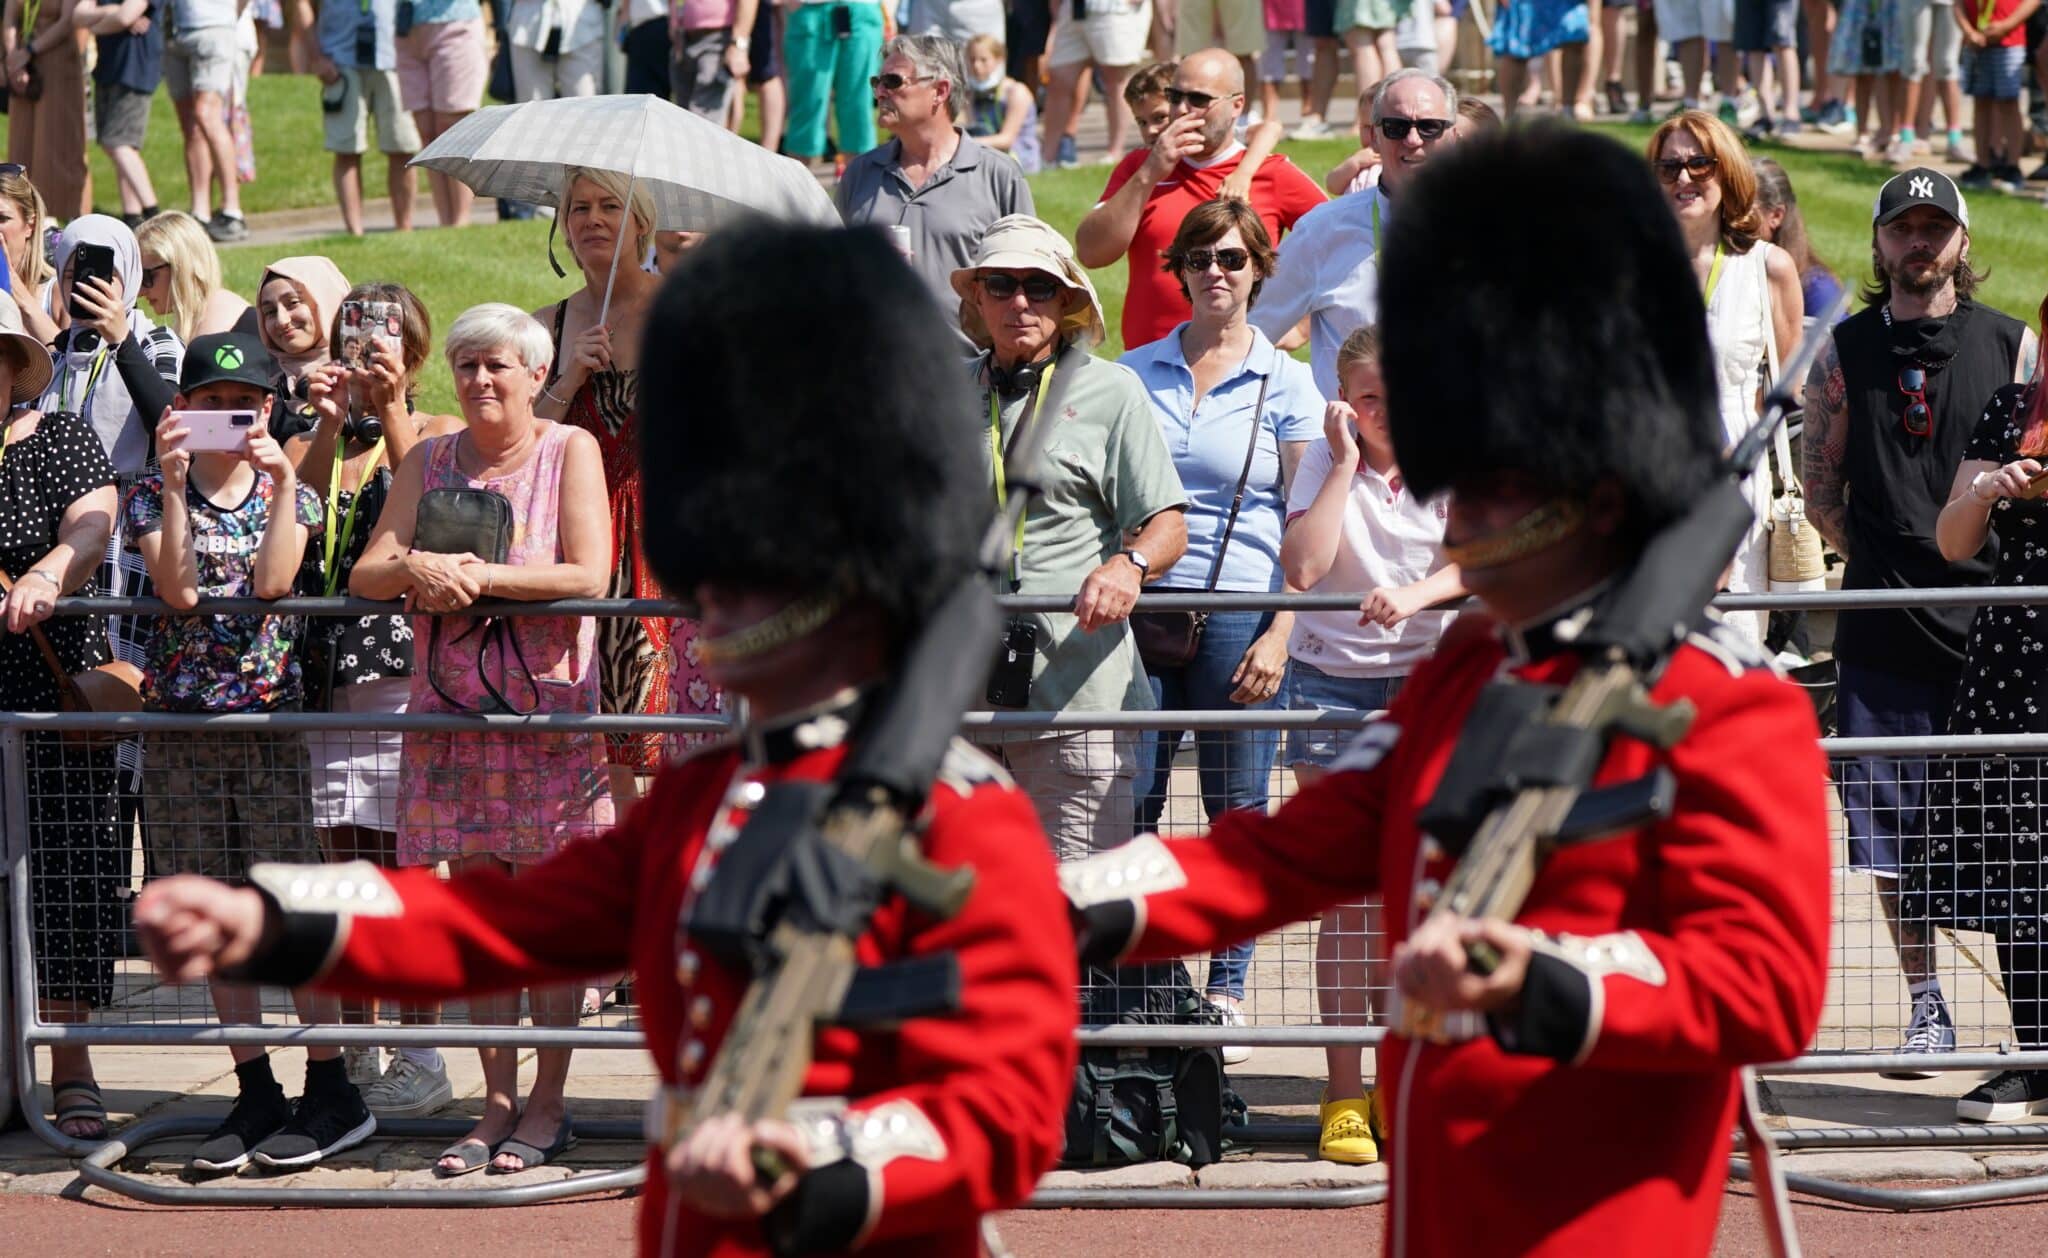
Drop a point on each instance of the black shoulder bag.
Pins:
(474, 522)
(1170, 639)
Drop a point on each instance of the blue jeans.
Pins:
(1232, 766)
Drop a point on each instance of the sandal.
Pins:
(79, 1101)
(474, 1154)
(530, 1157)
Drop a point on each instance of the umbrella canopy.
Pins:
(700, 175)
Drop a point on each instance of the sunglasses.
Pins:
(12, 168)
(1699, 166)
(1231, 260)
(149, 273)
(1397, 129)
(1916, 419)
(891, 82)
(1197, 101)
(1036, 288)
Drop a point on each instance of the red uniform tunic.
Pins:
(1675, 954)
(985, 1086)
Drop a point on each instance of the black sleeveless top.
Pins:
(1898, 483)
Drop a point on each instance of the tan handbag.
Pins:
(1796, 562)
(113, 687)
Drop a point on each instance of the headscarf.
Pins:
(323, 286)
(86, 380)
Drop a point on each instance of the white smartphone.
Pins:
(215, 432)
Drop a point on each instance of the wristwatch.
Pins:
(1138, 561)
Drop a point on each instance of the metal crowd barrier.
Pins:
(1866, 1009)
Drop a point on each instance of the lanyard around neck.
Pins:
(995, 455)
(337, 543)
(92, 380)
(1377, 243)
(1714, 272)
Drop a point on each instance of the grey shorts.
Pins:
(121, 115)
(204, 60)
(697, 77)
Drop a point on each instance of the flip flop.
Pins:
(79, 1101)
(565, 1140)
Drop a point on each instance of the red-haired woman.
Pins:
(1981, 867)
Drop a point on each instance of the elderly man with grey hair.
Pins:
(933, 180)
(1329, 268)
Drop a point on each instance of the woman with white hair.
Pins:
(595, 385)
(477, 799)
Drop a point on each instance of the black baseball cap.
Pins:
(235, 357)
(1922, 185)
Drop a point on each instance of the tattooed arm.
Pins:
(1824, 449)
(2030, 352)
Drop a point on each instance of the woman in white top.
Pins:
(1754, 307)
(557, 47)
(1353, 526)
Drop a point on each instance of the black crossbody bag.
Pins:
(473, 522)
(1168, 640)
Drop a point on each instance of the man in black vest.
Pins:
(1890, 405)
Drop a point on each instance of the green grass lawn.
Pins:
(508, 262)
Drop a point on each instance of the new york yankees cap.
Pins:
(1919, 186)
(226, 356)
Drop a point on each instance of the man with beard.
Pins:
(1890, 406)
(933, 179)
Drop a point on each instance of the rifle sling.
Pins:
(916, 987)
(1508, 745)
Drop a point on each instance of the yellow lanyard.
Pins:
(995, 456)
(1714, 273)
(1376, 243)
(92, 380)
(1984, 10)
(30, 11)
(337, 543)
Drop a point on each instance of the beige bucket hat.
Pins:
(32, 358)
(1021, 242)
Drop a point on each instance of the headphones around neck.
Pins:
(1022, 378)
(367, 429)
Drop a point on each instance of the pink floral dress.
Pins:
(514, 796)
(690, 692)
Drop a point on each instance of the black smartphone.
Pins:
(89, 259)
(842, 21)
(403, 26)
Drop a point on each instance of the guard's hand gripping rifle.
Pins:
(1519, 781)
(800, 882)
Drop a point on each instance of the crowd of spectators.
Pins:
(1207, 458)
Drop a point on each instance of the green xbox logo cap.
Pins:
(228, 357)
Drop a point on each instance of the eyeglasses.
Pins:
(149, 273)
(891, 82)
(1197, 101)
(1231, 260)
(1699, 166)
(12, 168)
(1036, 288)
(1397, 129)
(1917, 420)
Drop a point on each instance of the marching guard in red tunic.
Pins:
(1580, 1098)
(813, 501)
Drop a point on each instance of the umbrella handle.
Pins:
(604, 313)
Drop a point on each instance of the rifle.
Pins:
(800, 882)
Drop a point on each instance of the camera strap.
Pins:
(336, 541)
(92, 381)
(998, 452)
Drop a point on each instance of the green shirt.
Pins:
(1107, 472)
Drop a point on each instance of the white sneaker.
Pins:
(1233, 1016)
(408, 1090)
(1956, 152)
(362, 1066)
(1900, 153)
(1312, 129)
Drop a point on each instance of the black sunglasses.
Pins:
(1197, 101)
(13, 168)
(1231, 260)
(1699, 166)
(1038, 288)
(149, 273)
(1916, 419)
(1397, 129)
(892, 82)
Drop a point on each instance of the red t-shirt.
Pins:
(1999, 11)
(1153, 305)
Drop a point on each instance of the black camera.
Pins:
(551, 46)
(366, 45)
(403, 26)
(1009, 682)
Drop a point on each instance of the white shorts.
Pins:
(355, 773)
(1679, 20)
(1121, 37)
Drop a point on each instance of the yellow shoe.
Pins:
(1381, 1117)
(1347, 1133)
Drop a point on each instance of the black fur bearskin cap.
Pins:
(806, 424)
(1538, 315)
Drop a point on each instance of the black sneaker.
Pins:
(323, 1122)
(256, 1117)
(2005, 1097)
(224, 228)
(2009, 178)
(1975, 176)
(2040, 173)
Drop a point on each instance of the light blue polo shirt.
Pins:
(1208, 445)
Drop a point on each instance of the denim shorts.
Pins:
(1994, 73)
(1310, 688)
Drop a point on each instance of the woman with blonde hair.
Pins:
(181, 279)
(22, 223)
(1754, 306)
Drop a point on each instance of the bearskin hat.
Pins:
(806, 424)
(1538, 315)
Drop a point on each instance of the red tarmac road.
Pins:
(48, 1227)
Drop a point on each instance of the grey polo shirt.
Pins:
(946, 217)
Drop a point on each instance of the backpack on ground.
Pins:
(1160, 1103)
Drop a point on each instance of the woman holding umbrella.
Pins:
(594, 385)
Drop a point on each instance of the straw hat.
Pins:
(32, 366)
(1021, 242)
